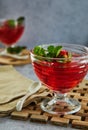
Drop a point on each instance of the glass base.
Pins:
(62, 107)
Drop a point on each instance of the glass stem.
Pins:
(60, 96)
(57, 97)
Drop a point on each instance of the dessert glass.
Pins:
(61, 75)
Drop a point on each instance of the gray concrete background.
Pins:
(49, 20)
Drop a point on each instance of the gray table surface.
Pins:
(7, 123)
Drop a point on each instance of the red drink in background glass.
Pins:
(10, 35)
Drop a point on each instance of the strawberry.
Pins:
(66, 55)
(63, 54)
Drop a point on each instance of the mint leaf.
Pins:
(50, 51)
(57, 50)
(21, 20)
(53, 51)
(11, 22)
(39, 51)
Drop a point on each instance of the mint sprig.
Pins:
(51, 51)
(16, 49)
(21, 20)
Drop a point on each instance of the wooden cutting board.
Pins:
(12, 61)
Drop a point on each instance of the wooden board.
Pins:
(12, 61)
(77, 120)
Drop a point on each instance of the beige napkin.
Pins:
(13, 86)
(7, 108)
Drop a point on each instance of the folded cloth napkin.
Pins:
(35, 98)
(13, 86)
